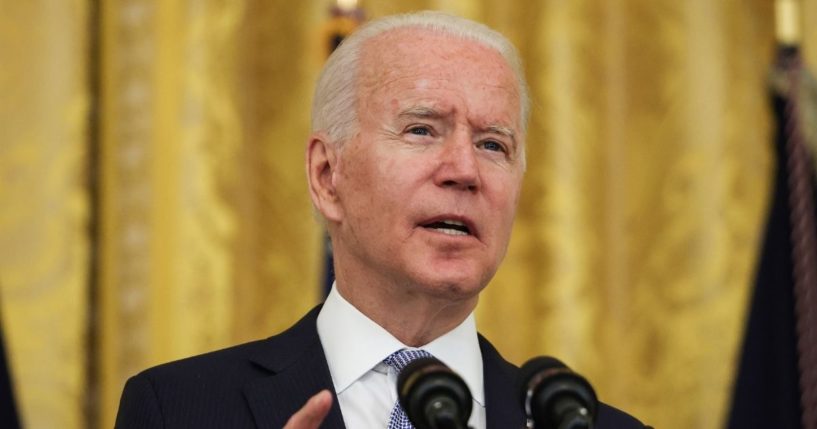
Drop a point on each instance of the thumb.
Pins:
(311, 415)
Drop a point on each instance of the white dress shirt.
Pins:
(355, 347)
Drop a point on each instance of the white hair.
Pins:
(334, 108)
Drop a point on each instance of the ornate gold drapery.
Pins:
(634, 248)
(208, 233)
(44, 207)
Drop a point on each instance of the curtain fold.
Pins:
(208, 237)
(44, 208)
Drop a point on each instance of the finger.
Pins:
(311, 415)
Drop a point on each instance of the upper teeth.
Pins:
(455, 227)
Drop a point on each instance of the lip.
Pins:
(472, 228)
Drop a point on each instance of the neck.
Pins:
(413, 317)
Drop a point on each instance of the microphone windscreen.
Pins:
(554, 396)
(533, 367)
(429, 391)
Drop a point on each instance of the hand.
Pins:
(311, 415)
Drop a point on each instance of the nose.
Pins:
(458, 166)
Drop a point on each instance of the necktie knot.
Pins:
(399, 359)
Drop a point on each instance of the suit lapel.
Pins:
(298, 370)
(502, 408)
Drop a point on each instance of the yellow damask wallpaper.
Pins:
(154, 202)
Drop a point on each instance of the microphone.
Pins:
(554, 397)
(433, 396)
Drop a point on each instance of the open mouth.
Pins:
(449, 226)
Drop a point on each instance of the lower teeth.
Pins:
(450, 231)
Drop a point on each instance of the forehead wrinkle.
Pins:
(397, 46)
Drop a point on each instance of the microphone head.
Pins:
(432, 395)
(554, 396)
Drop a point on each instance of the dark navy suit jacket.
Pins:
(262, 383)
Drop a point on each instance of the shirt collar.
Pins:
(355, 344)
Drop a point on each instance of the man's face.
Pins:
(428, 187)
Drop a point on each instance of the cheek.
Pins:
(395, 174)
(355, 176)
(504, 196)
(375, 190)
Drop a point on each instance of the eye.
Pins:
(493, 146)
(420, 130)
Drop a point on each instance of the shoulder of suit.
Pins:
(223, 363)
(611, 417)
(240, 360)
(608, 416)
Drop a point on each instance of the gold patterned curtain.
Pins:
(44, 207)
(153, 200)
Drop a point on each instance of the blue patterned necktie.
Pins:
(398, 360)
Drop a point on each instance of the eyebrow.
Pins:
(421, 112)
(431, 113)
(501, 130)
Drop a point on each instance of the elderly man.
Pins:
(415, 164)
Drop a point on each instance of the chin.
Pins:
(448, 278)
(453, 286)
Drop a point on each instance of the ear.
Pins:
(321, 169)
